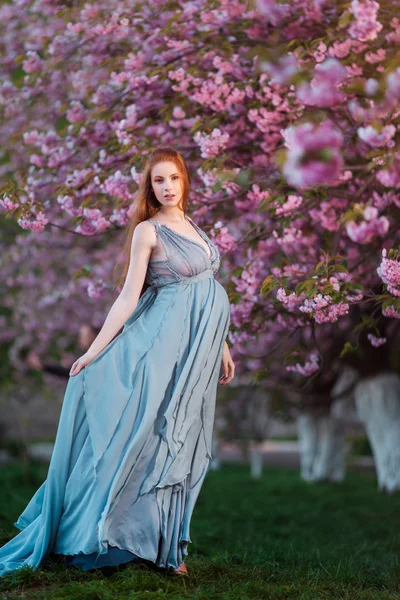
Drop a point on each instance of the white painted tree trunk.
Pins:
(256, 424)
(215, 462)
(377, 402)
(322, 448)
(256, 460)
(321, 437)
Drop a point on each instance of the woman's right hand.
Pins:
(82, 361)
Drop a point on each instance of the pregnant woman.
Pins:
(134, 438)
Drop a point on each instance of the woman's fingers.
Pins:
(229, 372)
(75, 368)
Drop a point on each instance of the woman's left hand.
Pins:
(228, 366)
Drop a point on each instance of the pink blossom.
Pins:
(7, 203)
(93, 222)
(391, 312)
(340, 49)
(282, 71)
(211, 145)
(272, 11)
(394, 36)
(33, 63)
(117, 185)
(372, 137)
(372, 225)
(323, 89)
(374, 57)
(292, 203)
(390, 177)
(253, 198)
(320, 53)
(366, 27)
(178, 112)
(37, 223)
(310, 366)
(371, 86)
(67, 204)
(328, 213)
(221, 237)
(389, 272)
(95, 289)
(241, 312)
(120, 216)
(393, 85)
(290, 301)
(375, 341)
(323, 310)
(313, 156)
(249, 282)
(76, 113)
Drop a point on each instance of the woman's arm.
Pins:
(143, 242)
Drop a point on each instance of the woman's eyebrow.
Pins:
(172, 174)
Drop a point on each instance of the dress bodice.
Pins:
(183, 257)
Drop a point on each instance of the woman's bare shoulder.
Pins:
(145, 234)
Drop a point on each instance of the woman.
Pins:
(134, 437)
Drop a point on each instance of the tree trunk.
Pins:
(322, 448)
(321, 435)
(377, 401)
(215, 462)
(256, 460)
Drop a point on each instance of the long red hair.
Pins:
(146, 205)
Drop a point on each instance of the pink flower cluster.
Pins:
(281, 71)
(241, 313)
(248, 284)
(328, 213)
(212, 144)
(391, 312)
(372, 137)
(365, 231)
(37, 223)
(252, 199)
(390, 177)
(221, 237)
(291, 301)
(309, 367)
(314, 154)
(376, 341)
(117, 185)
(95, 289)
(365, 27)
(323, 309)
(33, 63)
(292, 203)
(77, 113)
(389, 272)
(323, 89)
(7, 203)
(93, 222)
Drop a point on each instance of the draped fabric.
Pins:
(134, 437)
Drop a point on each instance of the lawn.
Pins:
(278, 538)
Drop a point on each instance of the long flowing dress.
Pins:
(134, 437)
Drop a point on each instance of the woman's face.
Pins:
(167, 183)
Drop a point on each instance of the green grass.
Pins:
(278, 538)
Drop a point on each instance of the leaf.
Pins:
(345, 18)
(347, 349)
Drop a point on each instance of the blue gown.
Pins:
(134, 437)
